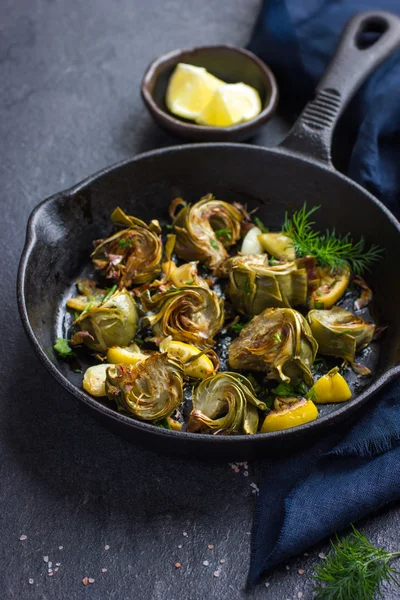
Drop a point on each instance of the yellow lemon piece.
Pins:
(230, 104)
(94, 380)
(197, 368)
(331, 288)
(189, 90)
(302, 412)
(175, 425)
(127, 355)
(278, 245)
(331, 387)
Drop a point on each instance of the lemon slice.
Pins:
(189, 90)
(198, 368)
(128, 355)
(230, 104)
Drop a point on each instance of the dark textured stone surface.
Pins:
(69, 105)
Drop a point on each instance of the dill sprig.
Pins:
(330, 249)
(354, 569)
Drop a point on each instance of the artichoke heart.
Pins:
(191, 314)
(278, 341)
(204, 230)
(328, 287)
(225, 403)
(112, 323)
(131, 256)
(340, 333)
(254, 285)
(150, 390)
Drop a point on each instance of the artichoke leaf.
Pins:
(131, 256)
(278, 341)
(112, 323)
(197, 228)
(150, 390)
(340, 333)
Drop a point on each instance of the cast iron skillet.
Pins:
(61, 228)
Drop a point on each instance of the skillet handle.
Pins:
(352, 63)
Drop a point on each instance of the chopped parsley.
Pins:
(260, 225)
(223, 233)
(277, 337)
(272, 261)
(214, 244)
(63, 348)
(124, 243)
(247, 287)
(237, 327)
(110, 292)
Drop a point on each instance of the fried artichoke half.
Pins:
(206, 229)
(131, 256)
(278, 341)
(340, 333)
(191, 314)
(112, 323)
(225, 403)
(150, 390)
(254, 285)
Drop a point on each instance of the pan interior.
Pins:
(264, 179)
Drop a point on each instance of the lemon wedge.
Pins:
(231, 103)
(198, 368)
(128, 355)
(189, 91)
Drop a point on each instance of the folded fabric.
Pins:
(355, 470)
(297, 39)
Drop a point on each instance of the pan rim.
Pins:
(243, 440)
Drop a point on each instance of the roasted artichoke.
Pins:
(340, 333)
(131, 256)
(225, 403)
(278, 341)
(112, 323)
(204, 230)
(254, 285)
(150, 391)
(191, 314)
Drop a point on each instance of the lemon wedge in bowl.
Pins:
(190, 89)
(231, 103)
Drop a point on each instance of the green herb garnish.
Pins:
(330, 250)
(354, 570)
(272, 261)
(124, 243)
(189, 282)
(246, 287)
(87, 308)
(164, 424)
(168, 226)
(254, 383)
(214, 244)
(63, 348)
(277, 337)
(260, 225)
(223, 233)
(319, 305)
(237, 327)
(286, 389)
(110, 292)
(138, 341)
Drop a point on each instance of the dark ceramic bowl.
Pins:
(229, 63)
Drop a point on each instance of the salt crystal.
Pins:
(301, 571)
(46, 558)
(58, 564)
(31, 581)
(267, 584)
(56, 569)
(322, 555)
(306, 554)
(23, 537)
(179, 545)
(49, 564)
(246, 473)
(184, 534)
(210, 546)
(106, 547)
(205, 563)
(287, 568)
(60, 547)
(90, 580)
(222, 561)
(104, 570)
(217, 573)
(300, 594)
(50, 574)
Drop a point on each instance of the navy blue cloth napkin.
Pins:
(355, 470)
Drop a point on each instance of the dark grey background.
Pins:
(70, 73)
